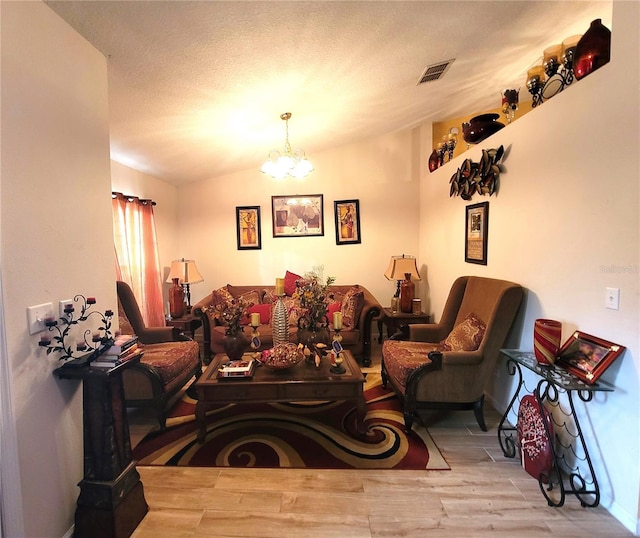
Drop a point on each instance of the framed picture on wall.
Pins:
(347, 214)
(586, 356)
(297, 215)
(248, 228)
(476, 230)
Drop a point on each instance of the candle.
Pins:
(255, 319)
(337, 320)
(45, 340)
(81, 346)
(95, 337)
(279, 286)
(91, 300)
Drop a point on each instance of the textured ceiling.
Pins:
(196, 89)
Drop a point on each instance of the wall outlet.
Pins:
(612, 298)
(36, 316)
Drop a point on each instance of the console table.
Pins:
(569, 450)
(111, 503)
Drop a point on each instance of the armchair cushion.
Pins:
(466, 336)
(171, 359)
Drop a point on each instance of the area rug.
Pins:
(317, 435)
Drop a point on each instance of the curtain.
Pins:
(137, 261)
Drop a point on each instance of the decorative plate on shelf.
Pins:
(535, 445)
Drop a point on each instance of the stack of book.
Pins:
(124, 348)
(241, 368)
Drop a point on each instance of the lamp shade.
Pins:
(399, 265)
(185, 271)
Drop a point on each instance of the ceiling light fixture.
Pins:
(293, 163)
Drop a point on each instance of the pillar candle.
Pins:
(255, 319)
(279, 286)
(337, 320)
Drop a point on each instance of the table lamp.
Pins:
(398, 269)
(187, 273)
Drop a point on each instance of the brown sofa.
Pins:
(356, 340)
(170, 359)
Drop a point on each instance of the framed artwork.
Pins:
(476, 230)
(586, 356)
(347, 213)
(248, 228)
(298, 215)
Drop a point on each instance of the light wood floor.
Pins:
(484, 494)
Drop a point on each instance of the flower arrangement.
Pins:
(231, 314)
(313, 299)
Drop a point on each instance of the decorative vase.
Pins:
(407, 293)
(176, 299)
(481, 127)
(235, 345)
(434, 160)
(593, 50)
(280, 322)
(309, 337)
(546, 340)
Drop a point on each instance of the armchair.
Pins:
(463, 349)
(169, 361)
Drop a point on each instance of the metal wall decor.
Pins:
(480, 178)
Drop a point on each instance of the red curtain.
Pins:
(137, 261)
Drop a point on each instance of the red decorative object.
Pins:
(481, 127)
(407, 293)
(593, 50)
(176, 299)
(546, 340)
(434, 160)
(535, 445)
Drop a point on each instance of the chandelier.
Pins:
(293, 163)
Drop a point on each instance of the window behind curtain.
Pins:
(137, 261)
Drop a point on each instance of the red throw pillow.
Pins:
(264, 310)
(290, 280)
(333, 307)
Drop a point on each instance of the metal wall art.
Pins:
(480, 178)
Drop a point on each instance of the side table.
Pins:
(187, 323)
(393, 321)
(572, 470)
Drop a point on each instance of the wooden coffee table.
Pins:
(303, 382)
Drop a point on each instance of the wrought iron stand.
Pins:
(572, 470)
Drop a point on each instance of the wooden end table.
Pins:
(393, 321)
(187, 323)
(303, 382)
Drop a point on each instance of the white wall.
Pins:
(56, 242)
(380, 172)
(566, 214)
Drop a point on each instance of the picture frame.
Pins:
(586, 356)
(299, 215)
(248, 228)
(476, 233)
(347, 216)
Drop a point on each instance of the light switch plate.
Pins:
(36, 316)
(612, 298)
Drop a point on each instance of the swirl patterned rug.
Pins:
(312, 435)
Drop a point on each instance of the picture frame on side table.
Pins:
(300, 215)
(476, 233)
(587, 357)
(347, 215)
(248, 228)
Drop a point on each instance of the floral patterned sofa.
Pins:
(358, 306)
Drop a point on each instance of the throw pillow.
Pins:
(123, 321)
(264, 310)
(290, 280)
(269, 295)
(237, 291)
(466, 336)
(220, 296)
(293, 312)
(352, 304)
(252, 297)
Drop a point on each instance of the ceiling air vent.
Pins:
(435, 71)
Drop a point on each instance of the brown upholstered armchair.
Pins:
(463, 349)
(170, 359)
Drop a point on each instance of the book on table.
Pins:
(121, 344)
(239, 368)
(109, 361)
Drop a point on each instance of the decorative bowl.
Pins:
(481, 127)
(281, 356)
